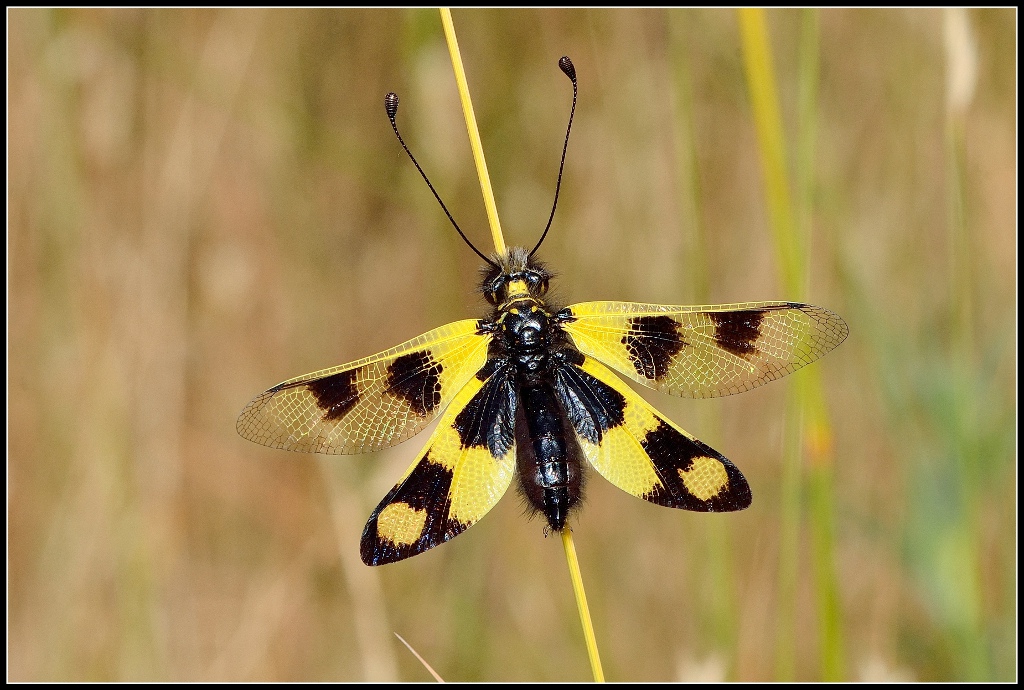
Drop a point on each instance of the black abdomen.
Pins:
(548, 456)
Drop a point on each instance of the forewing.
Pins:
(708, 351)
(370, 404)
(640, 451)
(465, 468)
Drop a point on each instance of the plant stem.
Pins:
(474, 133)
(581, 604)
(808, 427)
(499, 246)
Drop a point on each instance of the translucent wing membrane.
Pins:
(372, 403)
(705, 351)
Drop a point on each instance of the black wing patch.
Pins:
(335, 394)
(652, 342)
(737, 331)
(416, 379)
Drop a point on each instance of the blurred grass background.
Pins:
(204, 203)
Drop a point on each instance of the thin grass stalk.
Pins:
(474, 132)
(581, 605)
(499, 246)
(715, 567)
(971, 636)
(961, 82)
(808, 425)
(696, 257)
(807, 131)
(821, 507)
(817, 431)
(767, 115)
(420, 659)
(768, 123)
(790, 498)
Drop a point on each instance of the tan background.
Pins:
(204, 203)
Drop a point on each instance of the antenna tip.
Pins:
(565, 64)
(391, 104)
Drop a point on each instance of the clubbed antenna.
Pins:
(564, 64)
(391, 106)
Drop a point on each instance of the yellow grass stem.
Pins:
(768, 124)
(474, 133)
(808, 427)
(499, 246)
(581, 604)
(764, 104)
(717, 613)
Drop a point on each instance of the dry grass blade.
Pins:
(423, 661)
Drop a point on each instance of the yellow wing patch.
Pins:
(465, 468)
(705, 478)
(401, 524)
(707, 351)
(372, 403)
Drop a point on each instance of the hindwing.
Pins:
(640, 451)
(704, 352)
(372, 403)
(464, 469)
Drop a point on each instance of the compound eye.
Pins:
(538, 283)
(493, 292)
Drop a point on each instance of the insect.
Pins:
(529, 392)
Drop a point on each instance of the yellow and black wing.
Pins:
(704, 352)
(372, 403)
(461, 474)
(640, 451)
